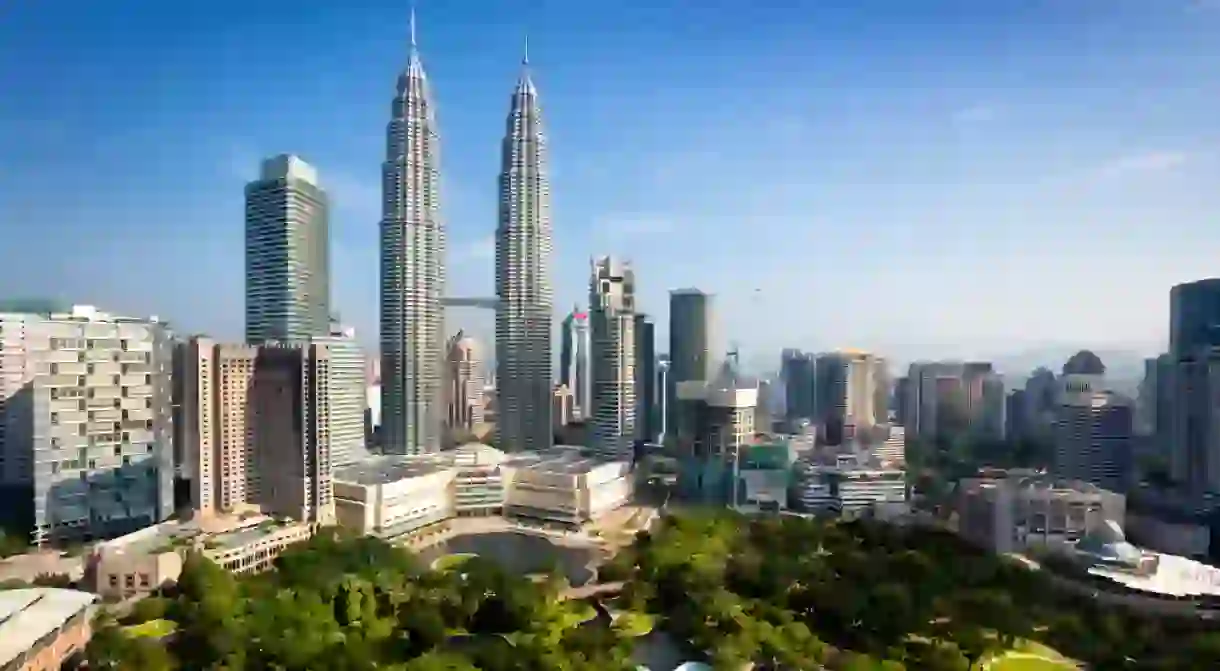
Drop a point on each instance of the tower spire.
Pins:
(413, 45)
(525, 54)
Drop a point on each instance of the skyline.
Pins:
(1080, 136)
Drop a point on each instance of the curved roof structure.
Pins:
(1084, 362)
(27, 615)
(1108, 543)
(693, 666)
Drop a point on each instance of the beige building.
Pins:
(146, 560)
(41, 628)
(394, 496)
(464, 382)
(1014, 513)
(563, 406)
(565, 485)
(257, 428)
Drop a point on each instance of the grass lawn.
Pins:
(450, 562)
(151, 629)
(634, 624)
(1018, 662)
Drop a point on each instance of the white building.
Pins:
(891, 451)
(86, 423)
(566, 486)
(390, 497)
(479, 480)
(348, 396)
(849, 490)
(612, 320)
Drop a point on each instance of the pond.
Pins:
(518, 553)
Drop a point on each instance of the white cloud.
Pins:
(975, 114)
(1147, 162)
(634, 225)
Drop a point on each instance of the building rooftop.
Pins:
(26, 615)
(561, 459)
(236, 538)
(386, 469)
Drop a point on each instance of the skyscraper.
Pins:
(287, 257)
(523, 283)
(693, 347)
(575, 363)
(412, 270)
(463, 387)
(612, 317)
(648, 425)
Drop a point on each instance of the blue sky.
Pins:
(913, 176)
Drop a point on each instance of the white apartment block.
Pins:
(347, 366)
(86, 423)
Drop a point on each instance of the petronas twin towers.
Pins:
(413, 274)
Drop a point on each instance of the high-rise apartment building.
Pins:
(612, 319)
(85, 423)
(693, 344)
(464, 383)
(412, 276)
(646, 420)
(287, 253)
(524, 312)
(259, 427)
(883, 387)
(576, 362)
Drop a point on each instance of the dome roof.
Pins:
(1108, 543)
(1084, 362)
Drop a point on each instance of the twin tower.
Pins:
(412, 273)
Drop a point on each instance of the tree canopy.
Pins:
(778, 589)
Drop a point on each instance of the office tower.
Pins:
(902, 390)
(523, 282)
(663, 395)
(1092, 437)
(882, 388)
(845, 391)
(291, 404)
(1194, 317)
(348, 396)
(612, 320)
(412, 269)
(763, 410)
(464, 382)
(86, 435)
(990, 422)
(1040, 400)
(796, 367)
(287, 257)
(1166, 387)
(1015, 414)
(715, 422)
(1195, 432)
(575, 362)
(646, 379)
(933, 399)
(693, 345)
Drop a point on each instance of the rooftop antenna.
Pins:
(525, 54)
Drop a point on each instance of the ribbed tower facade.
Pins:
(412, 270)
(523, 282)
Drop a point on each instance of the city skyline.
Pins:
(984, 177)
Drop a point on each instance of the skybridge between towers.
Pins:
(476, 302)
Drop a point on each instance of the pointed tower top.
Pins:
(413, 45)
(525, 54)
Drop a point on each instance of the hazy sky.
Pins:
(904, 175)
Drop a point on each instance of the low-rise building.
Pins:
(849, 490)
(565, 485)
(146, 560)
(478, 481)
(41, 628)
(1014, 513)
(390, 497)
